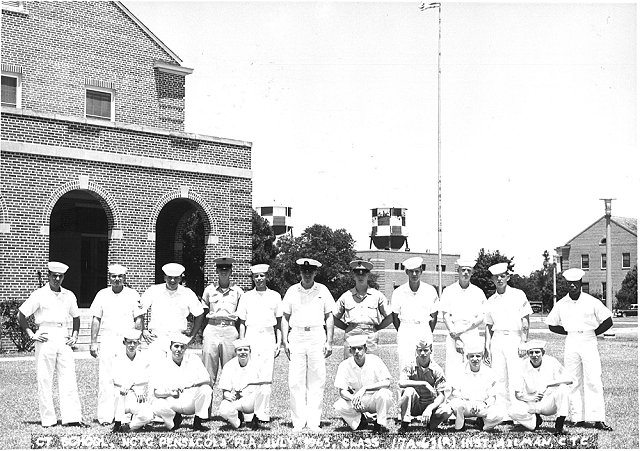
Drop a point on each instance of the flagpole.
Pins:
(424, 7)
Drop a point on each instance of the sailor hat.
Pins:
(241, 343)
(173, 269)
(499, 268)
(179, 337)
(356, 340)
(117, 269)
(536, 344)
(573, 274)
(261, 268)
(132, 334)
(306, 262)
(412, 263)
(57, 267)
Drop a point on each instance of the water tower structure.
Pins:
(388, 228)
(278, 217)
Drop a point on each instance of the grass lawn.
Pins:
(20, 417)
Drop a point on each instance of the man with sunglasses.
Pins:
(221, 302)
(181, 385)
(473, 394)
(115, 310)
(131, 380)
(308, 309)
(362, 309)
(170, 304)
(506, 332)
(462, 307)
(543, 390)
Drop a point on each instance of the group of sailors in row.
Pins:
(503, 377)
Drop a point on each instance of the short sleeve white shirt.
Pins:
(167, 374)
(117, 311)
(47, 305)
(236, 377)
(169, 309)
(415, 306)
(127, 372)
(463, 304)
(505, 311)
(535, 380)
(475, 386)
(260, 308)
(350, 375)
(585, 313)
(307, 307)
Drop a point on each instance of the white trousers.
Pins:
(582, 362)
(378, 402)
(554, 402)
(506, 364)
(253, 403)
(194, 400)
(408, 335)
(217, 348)
(491, 415)
(307, 375)
(142, 413)
(263, 344)
(55, 355)
(109, 346)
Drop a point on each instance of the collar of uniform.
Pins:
(354, 292)
(302, 289)
(224, 291)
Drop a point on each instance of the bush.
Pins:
(11, 328)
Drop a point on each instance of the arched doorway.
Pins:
(180, 237)
(78, 236)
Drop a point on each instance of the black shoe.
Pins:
(116, 427)
(579, 424)
(480, 423)
(177, 421)
(257, 424)
(125, 428)
(380, 429)
(509, 422)
(105, 423)
(79, 424)
(198, 426)
(538, 421)
(559, 426)
(241, 418)
(602, 426)
(404, 427)
(363, 423)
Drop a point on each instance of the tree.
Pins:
(334, 249)
(263, 240)
(628, 293)
(482, 276)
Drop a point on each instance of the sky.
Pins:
(538, 118)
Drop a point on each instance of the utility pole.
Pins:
(609, 291)
(424, 7)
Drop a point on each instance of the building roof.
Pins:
(629, 224)
(148, 32)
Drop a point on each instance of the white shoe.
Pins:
(297, 429)
(315, 428)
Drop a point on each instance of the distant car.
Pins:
(624, 312)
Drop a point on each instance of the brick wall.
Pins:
(61, 44)
(589, 243)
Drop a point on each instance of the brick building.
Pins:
(587, 250)
(96, 165)
(387, 264)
